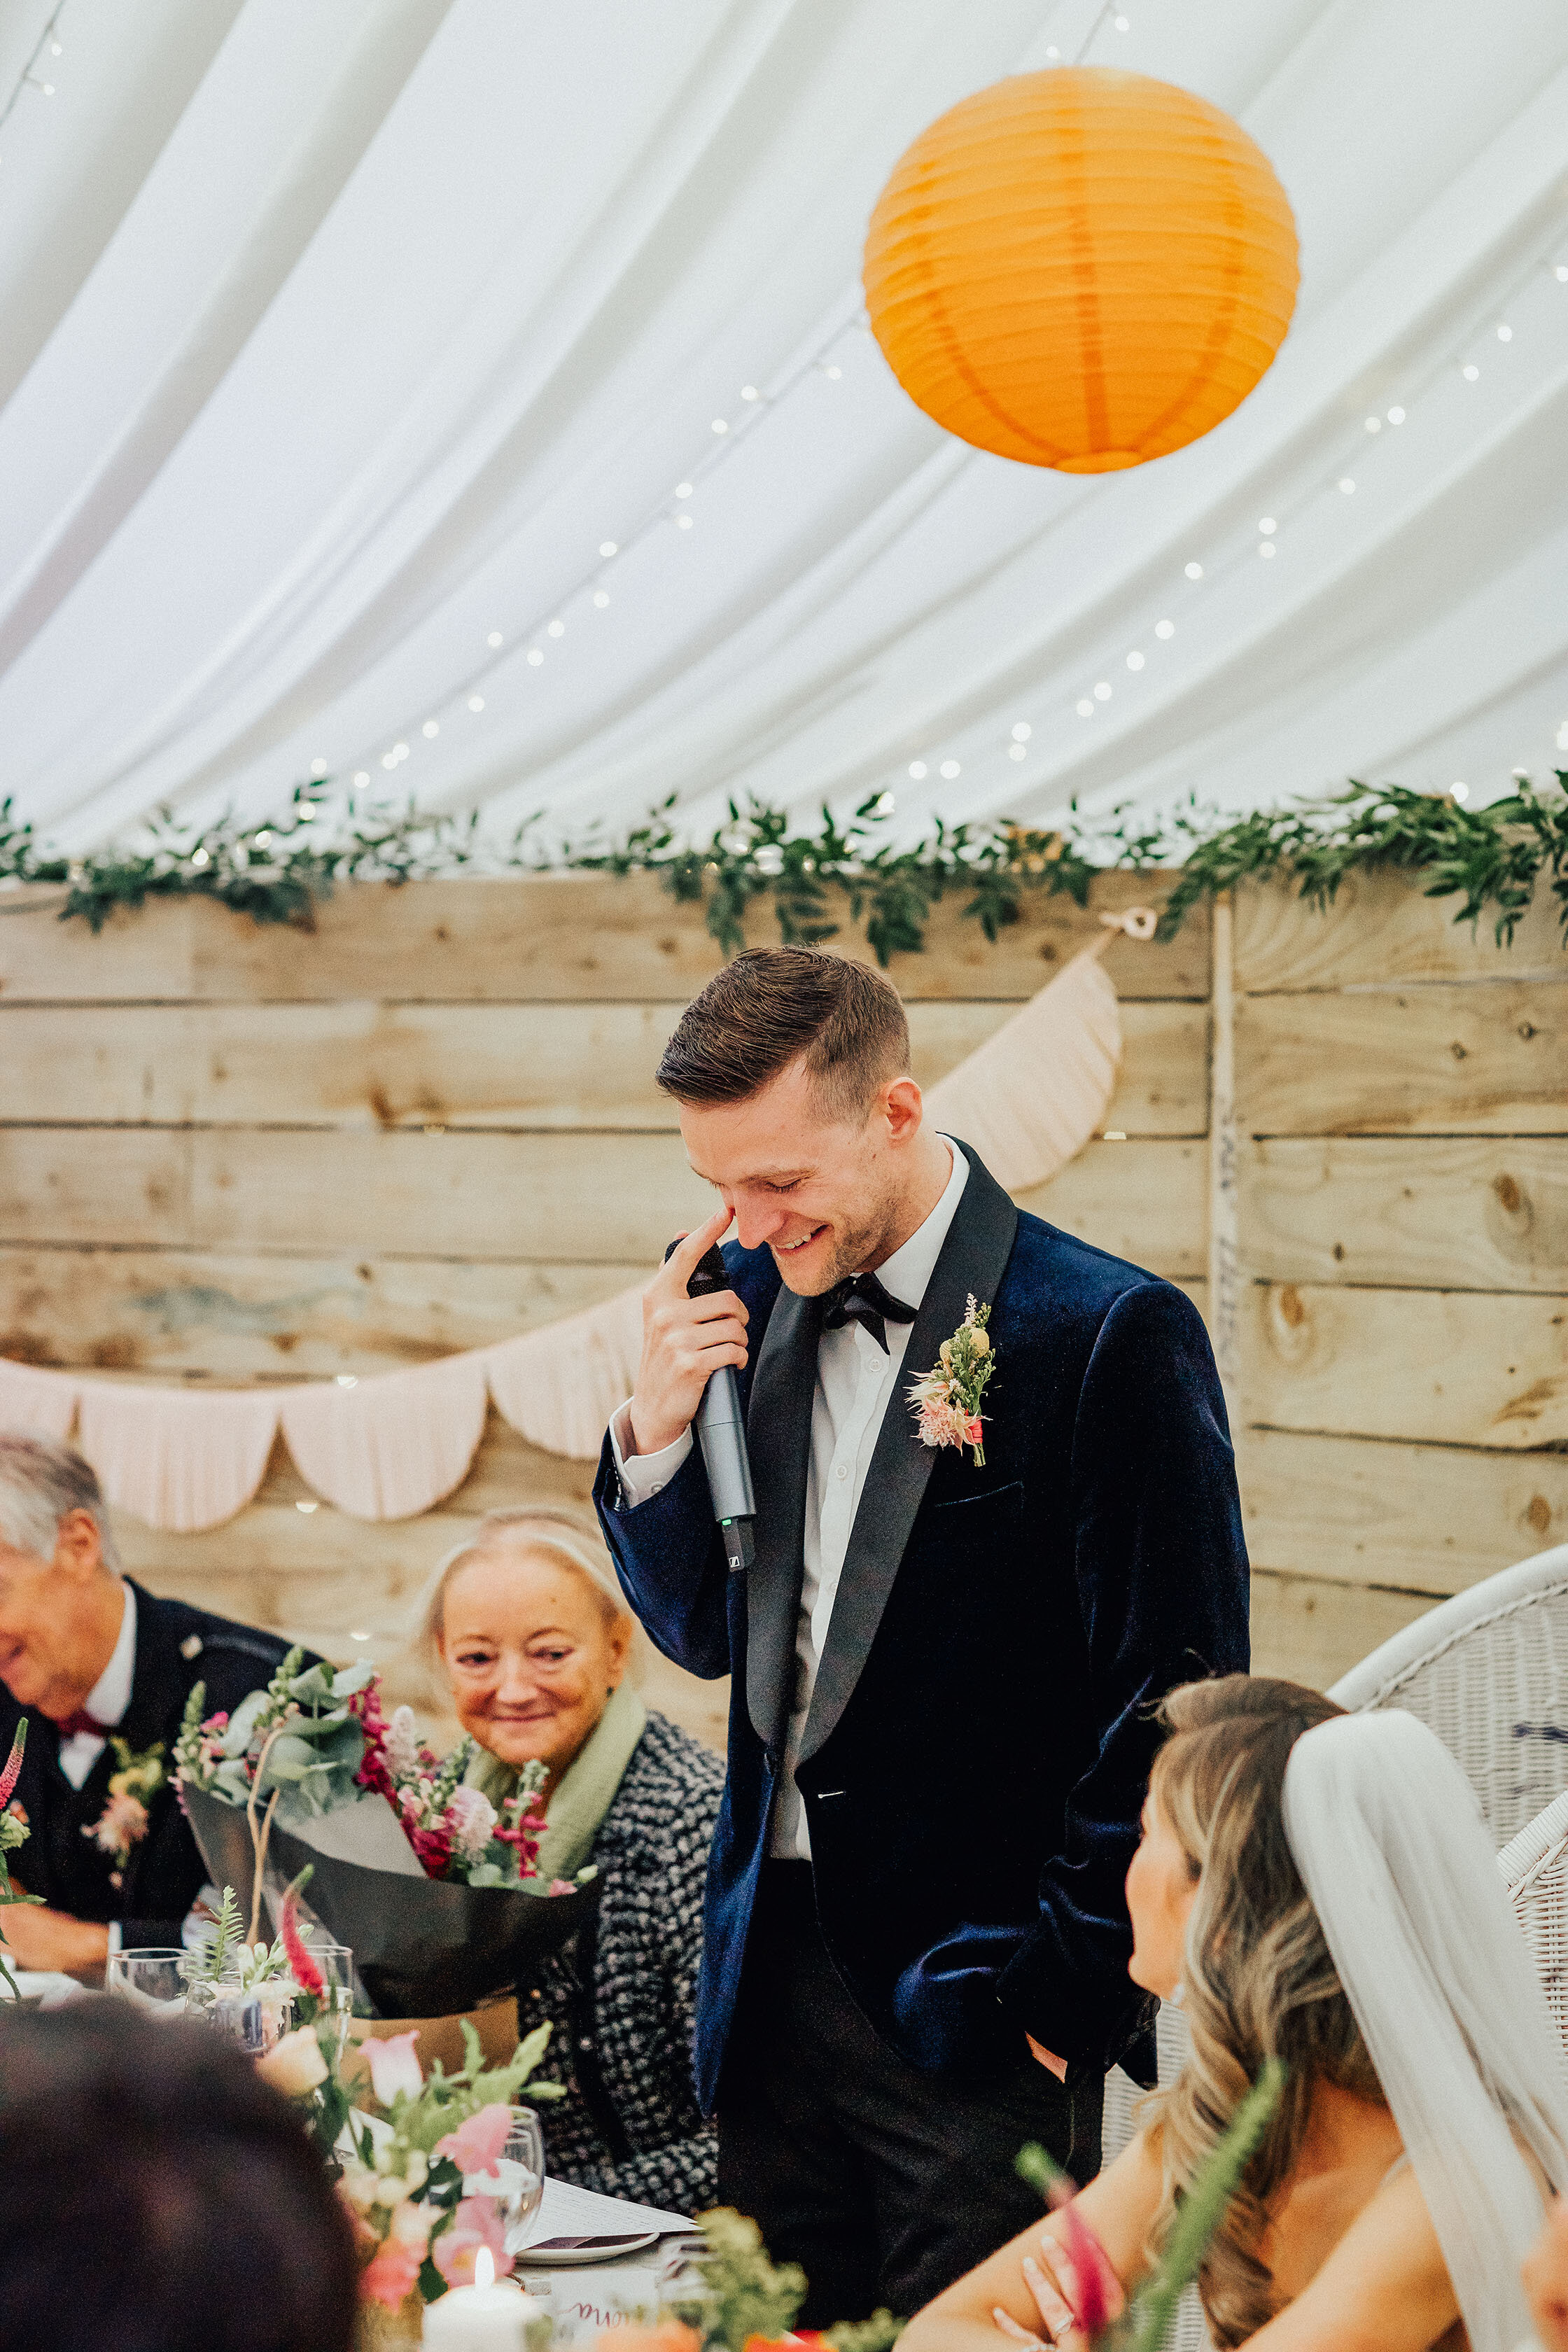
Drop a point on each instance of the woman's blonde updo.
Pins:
(1257, 1981)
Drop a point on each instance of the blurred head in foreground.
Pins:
(159, 2196)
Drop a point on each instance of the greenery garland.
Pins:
(276, 871)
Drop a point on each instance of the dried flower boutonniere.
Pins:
(947, 1398)
(124, 1820)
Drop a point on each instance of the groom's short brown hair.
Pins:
(771, 1006)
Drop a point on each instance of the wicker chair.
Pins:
(1488, 1672)
(1534, 1867)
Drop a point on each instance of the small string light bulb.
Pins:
(1165, 629)
(1267, 546)
(1021, 731)
(1347, 485)
(919, 770)
(1470, 372)
(1195, 572)
(361, 777)
(475, 702)
(608, 548)
(1396, 416)
(1268, 526)
(683, 522)
(1134, 661)
(556, 629)
(600, 598)
(1375, 423)
(1018, 751)
(535, 656)
(750, 391)
(1085, 707)
(886, 805)
(494, 638)
(1461, 791)
(950, 768)
(683, 490)
(719, 424)
(1505, 334)
(1102, 690)
(432, 728)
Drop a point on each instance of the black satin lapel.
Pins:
(973, 1258)
(778, 1438)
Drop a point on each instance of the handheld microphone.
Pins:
(722, 1431)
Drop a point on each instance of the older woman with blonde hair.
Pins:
(1317, 1887)
(526, 1630)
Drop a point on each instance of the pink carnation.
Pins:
(476, 2224)
(476, 2145)
(393, 2063)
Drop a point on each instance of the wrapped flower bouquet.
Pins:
(436, 1891)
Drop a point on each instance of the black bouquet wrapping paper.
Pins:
(422, 1947)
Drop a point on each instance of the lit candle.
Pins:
(485, 2317)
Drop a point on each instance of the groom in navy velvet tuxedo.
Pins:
(944, 1674)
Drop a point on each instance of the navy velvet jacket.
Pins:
(981, 1729)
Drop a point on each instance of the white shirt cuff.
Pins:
(643, 1475)
(116, 1935)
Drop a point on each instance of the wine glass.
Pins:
(520, 2169)
(150, 1976)
(336, 1962)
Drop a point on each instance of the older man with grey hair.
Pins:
(102, 1670)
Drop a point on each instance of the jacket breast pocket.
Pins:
(1002, 1503)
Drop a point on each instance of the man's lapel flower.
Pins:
(123, 1823)
(947, 1398)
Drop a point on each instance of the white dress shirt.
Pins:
(854, 1381)
(106, 1701)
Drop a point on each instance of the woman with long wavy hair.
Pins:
(1317, 1887)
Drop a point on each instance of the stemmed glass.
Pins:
(150, 1976)
(517, 2179)
(336, 1962)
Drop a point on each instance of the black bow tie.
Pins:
(861, 1298)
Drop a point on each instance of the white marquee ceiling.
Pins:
(336, 340)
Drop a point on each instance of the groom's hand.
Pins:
(685, 1340)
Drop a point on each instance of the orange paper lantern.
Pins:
(1081, 268)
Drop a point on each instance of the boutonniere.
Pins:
(947, 1398)
(123, 1823)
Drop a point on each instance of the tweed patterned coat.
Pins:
(630, 2124)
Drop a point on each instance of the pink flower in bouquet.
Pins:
(473, 1818)
(1089, 2283)
(477, 2222)
(434, 1848)
(394, 2066)
(393, 2271)
(374, 1772)
(476, 2145)
(562, 1886)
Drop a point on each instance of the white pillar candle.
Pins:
(489, 2317)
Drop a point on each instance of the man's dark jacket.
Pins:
(981, 1729)
(176, 1647)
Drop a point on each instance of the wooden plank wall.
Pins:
(1402, 1095)
(232, 1155)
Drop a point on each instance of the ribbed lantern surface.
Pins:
(1081, 268)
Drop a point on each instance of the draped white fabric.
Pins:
(338, 340)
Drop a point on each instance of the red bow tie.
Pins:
(79, 1720)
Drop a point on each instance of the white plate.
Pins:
(547, 2257)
